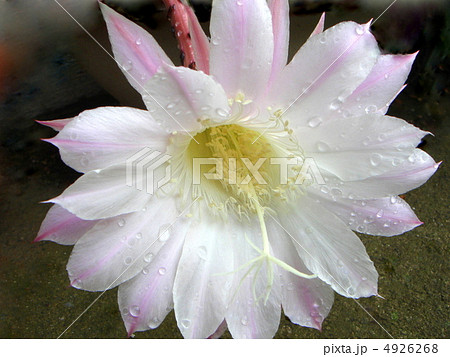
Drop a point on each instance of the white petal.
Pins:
(246, 317)
(63, 227)
(146, 299)
(403, 177)
(306, 302)
(381, 86)
(202, 284)
(241, 46)
(356, 148)
(330, 249)
(107, 193)
(386, 216)
(326, 69)
(117, 249)
(135, 50)
(105, 136)
(280, 23)
(320, 26)
(178, 97)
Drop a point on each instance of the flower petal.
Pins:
(403, 177)
(306, 302)
(108, 192)
(241, 46)
(202, 286)
(246, 317)
(381, 85)
(200, 42)
(146, 299)
(63, 227)
(280, 24)
(386, 216)
(135, 50)
(106, 136)
(356, 148)
(331, 250)
(326, 69)
(179, 98)
(57, 124)
(320, 26)
(117, 249)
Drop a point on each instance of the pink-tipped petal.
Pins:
(117, 249)
(320, 26)
(200, 43)
(241, 46)
(330, 250)
(381, 86)
(325, 71)
(146, 299)
(57, 124)
(280, 24)
(306, 302)
(220, 331)
(356, 148)
(135, 50)
(106, 136)
(63, 227)
(179, 97)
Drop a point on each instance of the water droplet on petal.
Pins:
(393, 199)
(148, 257)
(205, 108)
(322, 39)
(170, 105)
(371, 109)
(375, 159)
(351, 291)
(121, 222)
(145, 271)
(380, 213)
(164, 233)
(162, 271)
(128, 260)
(322, 146)
(221, 112)
(127, 66)
(138, 235)
(335, 104)
(359, 30)
(186, 323)
(244, 321)
(314, 122)
(202, 252)
(290, 286)
(139, 41)
(336, 192)
(135, 310)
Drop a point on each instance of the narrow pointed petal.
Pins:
(356, 148)
(146, 299)
(202, 284)
(325, 71)
(280, 24)
(106, 136)
(320, 26)
(220, 331)
(107, 193)
(63, 227)
(386, 216)
(381, 86)
(200, 42)
(331, 250)
(135, 50)
(180, 97)
(241, 46)
(306, 302)
(57, 124)
(247, 317)
(117, 249)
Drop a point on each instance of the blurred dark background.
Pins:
(51, 69)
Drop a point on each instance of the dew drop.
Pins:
(314, 122)
(369, 219)
(135, 311)
(139, 41)
(290, 286)
(145, 271)
(244, 321)
(360, 228)
(186, 323)
(335, 104)
(375, 159)
(359, 30)
(128, 260)
(148, 257)
(371, 109)
(162, 271)
(127, 66)
(170, 105)
(353, 214)
(164, 233)
(322, 146)
(221, 112)
(380, 213)
(199, 91)
(336, 192)
(125, 311)
(84, 161)
(393, 199)
(324, 189)
(121, 222)
(351, 291)
(205, 108)
(202, 252)
(322, 39)
(139, 236)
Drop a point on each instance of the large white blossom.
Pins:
(259, 238)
